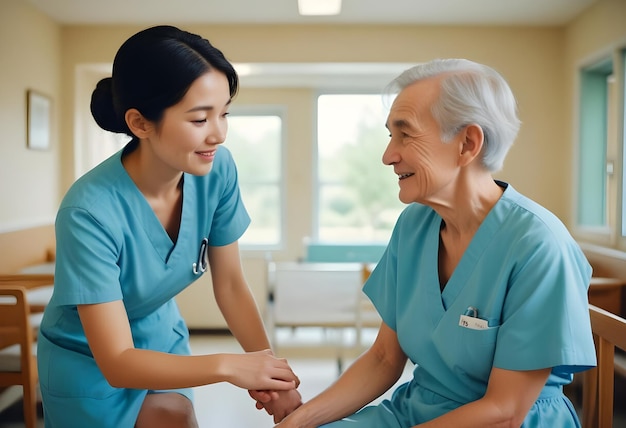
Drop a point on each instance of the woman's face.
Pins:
(426, 166)
(187, 137)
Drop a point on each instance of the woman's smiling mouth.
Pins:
(207, 155)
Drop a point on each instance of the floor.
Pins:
(223, 405)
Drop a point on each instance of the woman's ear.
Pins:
(138, 125)
(472, 143)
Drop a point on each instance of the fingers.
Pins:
(283, 372)
(261, 372)
(280, 385)
(263, 396)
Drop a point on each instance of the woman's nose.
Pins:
(217, 133)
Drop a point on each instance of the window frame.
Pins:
(609, 235)
(593, 90)
(281, 112)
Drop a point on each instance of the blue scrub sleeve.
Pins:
(86, 270)
(381, 286)
(546, 308)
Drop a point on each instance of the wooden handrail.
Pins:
(609, 331)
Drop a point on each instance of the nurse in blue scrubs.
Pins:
(482, 289)
(134, 232)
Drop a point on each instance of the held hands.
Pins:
(277, 403)
(261, 371)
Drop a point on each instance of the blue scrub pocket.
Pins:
(475, 350)
(72, 374)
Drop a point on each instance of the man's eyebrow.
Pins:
(400, 123)
(205, 108)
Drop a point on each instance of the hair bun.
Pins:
(102, 107)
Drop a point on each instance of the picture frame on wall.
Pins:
(38, 119)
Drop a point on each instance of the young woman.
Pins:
(139, 228)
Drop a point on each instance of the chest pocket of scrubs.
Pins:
(474, 350)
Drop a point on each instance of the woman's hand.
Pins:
(260, 371)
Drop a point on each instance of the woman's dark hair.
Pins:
(152, 71)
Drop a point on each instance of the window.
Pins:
(357, 198)
(594, 169)
(256, 144)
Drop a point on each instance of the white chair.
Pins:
(315, 295)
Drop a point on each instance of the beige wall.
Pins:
(530, 58)
(538, 62)
(30, 58)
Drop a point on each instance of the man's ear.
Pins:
(138, 125)
(472, 143)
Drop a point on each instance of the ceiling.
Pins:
(437, 12)
(353, 75)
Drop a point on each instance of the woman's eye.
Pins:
(199, 121)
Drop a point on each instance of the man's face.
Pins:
(425, 165)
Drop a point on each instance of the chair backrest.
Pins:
(39, 287)
(366, 313)
(17, 361)
(14, 322)
(366, 271)
(609, 332)
(21, 297)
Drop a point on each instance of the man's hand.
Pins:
(277, 403)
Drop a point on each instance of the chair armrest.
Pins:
(38, 287)
(27, 281)
(14, 316)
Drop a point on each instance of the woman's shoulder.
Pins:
(97, 187)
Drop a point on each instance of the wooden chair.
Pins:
(609, 332)
(20, 317)
(18, 365)
(366, 314)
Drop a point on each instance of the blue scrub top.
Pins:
(527, 279)
(111, 246)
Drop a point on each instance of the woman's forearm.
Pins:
(242, 316)
(145, 369)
